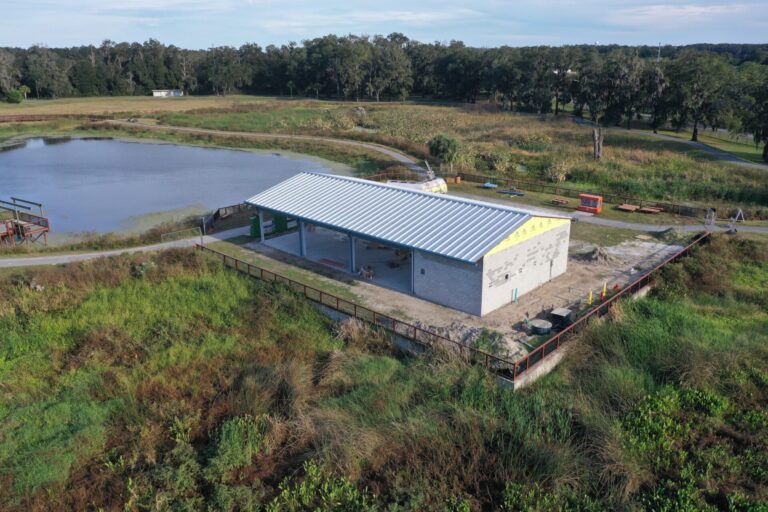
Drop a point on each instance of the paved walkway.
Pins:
(378, 148)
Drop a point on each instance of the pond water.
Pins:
(110, 185)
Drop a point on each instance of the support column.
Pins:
(352, 254)
(413, 272)
(261, 225)
(302, 239)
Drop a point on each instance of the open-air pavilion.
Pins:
(468, 255)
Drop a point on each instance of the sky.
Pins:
(204, 23)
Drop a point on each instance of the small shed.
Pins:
(167, 93)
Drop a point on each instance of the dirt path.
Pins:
(389, 152)
(711, 151)
(60, 259)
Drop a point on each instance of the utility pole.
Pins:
(658, 55)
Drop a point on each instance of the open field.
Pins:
(165, 381)
(125, 104)
(501, 144)
(492, 142)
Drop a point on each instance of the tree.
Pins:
(624, 73)
(562, 61)
(755, 112)
(9, 74)
(389, 69)
(224, 70)
(595, 90)
(23, 89)
(699, 79)
(654, 84)
(445, 148)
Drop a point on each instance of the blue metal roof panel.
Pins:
(449, 226)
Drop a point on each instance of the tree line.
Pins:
(713, 86)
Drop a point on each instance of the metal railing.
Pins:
(210, 220)
(560, 190)
(555, 342)
(424, 338)
(420, 336)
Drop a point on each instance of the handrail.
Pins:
(555, 342)
(416, 334)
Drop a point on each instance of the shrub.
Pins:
(14, 96)
(322, 492)
(238, 441)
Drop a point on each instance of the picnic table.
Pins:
(631, 208)
(559, 201)
(652, 210)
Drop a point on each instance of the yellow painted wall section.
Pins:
(533, 227)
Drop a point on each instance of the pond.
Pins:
(107, 185)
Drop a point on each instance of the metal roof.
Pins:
(449, 226)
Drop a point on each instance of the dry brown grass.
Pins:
(127, 104)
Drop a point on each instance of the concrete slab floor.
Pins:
(331, 248)
(627, 261)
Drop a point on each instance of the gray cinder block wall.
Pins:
(448, 282)
(489, 285)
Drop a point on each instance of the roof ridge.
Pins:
(445, 197)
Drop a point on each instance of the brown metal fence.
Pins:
(503, 367)
(420, 336)
(555, 342)
(559, 190)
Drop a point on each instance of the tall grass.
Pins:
(500, 144)
(186, 386)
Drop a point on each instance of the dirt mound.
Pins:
(600, 256)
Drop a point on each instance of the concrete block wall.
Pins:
(524, 266)
(448, 282)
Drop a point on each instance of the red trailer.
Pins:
(590, 203)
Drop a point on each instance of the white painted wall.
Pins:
(525, 266)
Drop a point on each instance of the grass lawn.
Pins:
(746, 150)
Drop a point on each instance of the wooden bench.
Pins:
(631, 208)
(559, 201)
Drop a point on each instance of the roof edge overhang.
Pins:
(385, 241)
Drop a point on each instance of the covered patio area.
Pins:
(378, 263)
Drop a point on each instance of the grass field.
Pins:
(737, 146)
(493, 143)
(165, 382)
(125, 104)
(504, 144)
